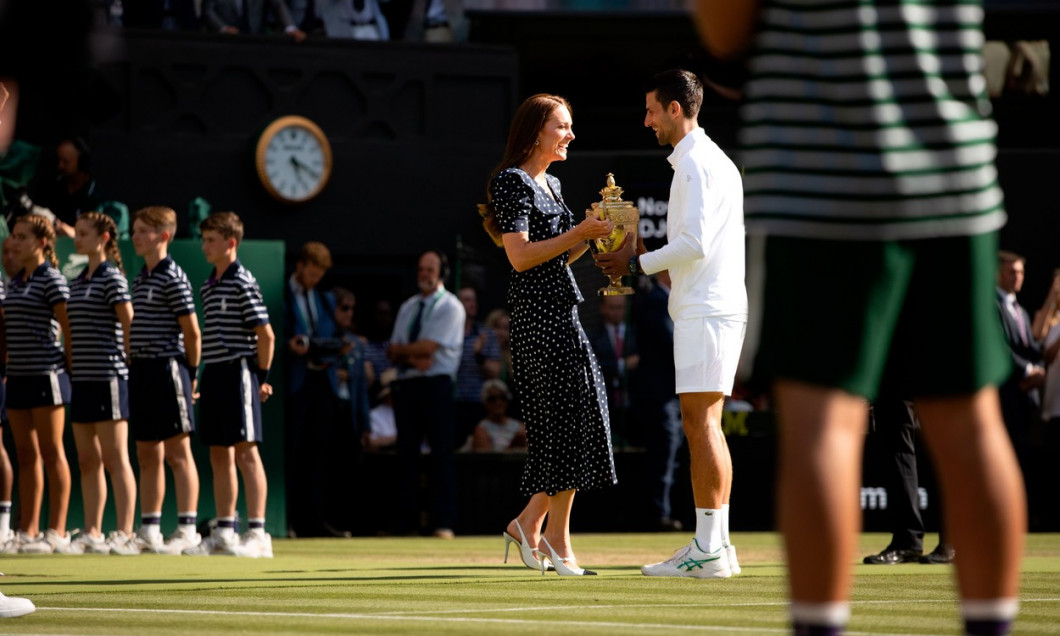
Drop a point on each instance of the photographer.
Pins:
(312, 400)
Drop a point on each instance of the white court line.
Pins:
(510, 621)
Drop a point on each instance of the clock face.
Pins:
(293, 159)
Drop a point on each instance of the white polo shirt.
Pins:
(705, 233)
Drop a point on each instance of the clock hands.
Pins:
(298, 165)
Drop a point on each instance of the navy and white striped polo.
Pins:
(232, 308)
(33, 346)
(96, 333)
(160, 297)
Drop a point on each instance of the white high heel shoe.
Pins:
(530, 559)
(561, 566)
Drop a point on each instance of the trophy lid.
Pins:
(611, 193)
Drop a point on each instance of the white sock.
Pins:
(5, 517)
(708, 529)
(187, 528)
(725, 525)
(225, 527)
(829, 614)
(149, 524)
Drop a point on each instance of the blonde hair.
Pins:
(159, 217)
(42, 228)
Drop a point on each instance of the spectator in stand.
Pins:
(377, 333)
(353, 374)
(38, 383)
(248, 16)
(499, 322)
(74, 190)
(167, 15)
(480, 361)
(425, 347)
(165, 350)
(101, 312)
(382, 431)
(312, 399)
(655, 402)
(1020, 400)
(340, 19)
(498, 432)
(351, 378)
(615, 344)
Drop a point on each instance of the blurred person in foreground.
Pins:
(857, 184)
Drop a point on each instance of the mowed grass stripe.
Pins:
(429, 586)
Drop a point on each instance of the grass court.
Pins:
(433, 586)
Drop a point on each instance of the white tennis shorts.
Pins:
(706, 353)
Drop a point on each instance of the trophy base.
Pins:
(614, 291)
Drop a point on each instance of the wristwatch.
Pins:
(634, 265)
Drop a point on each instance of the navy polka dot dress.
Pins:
(564, 398)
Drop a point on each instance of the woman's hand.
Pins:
(594, 228)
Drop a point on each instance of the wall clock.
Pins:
(293, 159)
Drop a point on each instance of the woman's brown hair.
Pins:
(530, 118)
(42, 228)
(103, 223)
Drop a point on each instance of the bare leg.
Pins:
(982, 489)
(114, 443)
(225, 484)
(185, 473)
(821, 439)
(7, 475)
(253, 471)
(557, 533)
(152, 479)
(711, 465)
(93, 481)
(30, 469)
(49, 423)
(531, 519)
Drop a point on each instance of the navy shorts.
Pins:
(99, 400)
(34, 391)
(160, 405)
(229, 404)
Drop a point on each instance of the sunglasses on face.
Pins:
(496, 398)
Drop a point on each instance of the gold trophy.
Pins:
(626, 218)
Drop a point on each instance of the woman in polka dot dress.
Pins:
(558, 378)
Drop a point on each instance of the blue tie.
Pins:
(417, 322)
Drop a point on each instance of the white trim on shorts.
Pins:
(248, 399)
(707, 353)
(115, 400)
(178, 390)
(57, 393)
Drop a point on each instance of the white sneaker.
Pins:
(149, 541)
(255, 545)
(12, 606)
(692, 562)
(123, 544)
(734, 565)
(178, 542)
(33, 545)
(215, 544)
(89, 544)
(10, 544)
(62, 543)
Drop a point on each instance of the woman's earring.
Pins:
(537, 142)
